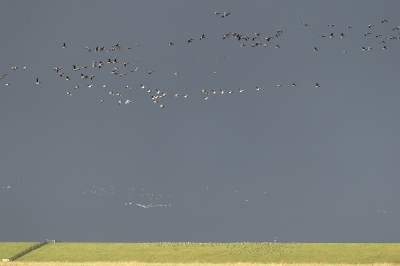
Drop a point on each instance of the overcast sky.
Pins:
(291, 163)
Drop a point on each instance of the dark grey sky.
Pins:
(299, 163)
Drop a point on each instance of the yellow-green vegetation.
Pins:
(9, 249)
(213, 253)
(174, 264)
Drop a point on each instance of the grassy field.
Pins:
(174, 264)
(208, 253)
(8, 249)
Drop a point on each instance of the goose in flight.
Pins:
(69, 93)
(225, 14)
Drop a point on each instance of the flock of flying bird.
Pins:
(121, 69)
(156, 95)
(127, 195)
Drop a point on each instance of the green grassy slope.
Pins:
(9, 249)
(218, 252)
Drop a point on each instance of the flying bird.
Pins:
(225, 14)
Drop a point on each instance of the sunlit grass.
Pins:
(9, 249)
(214, 253)
(179, 264)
